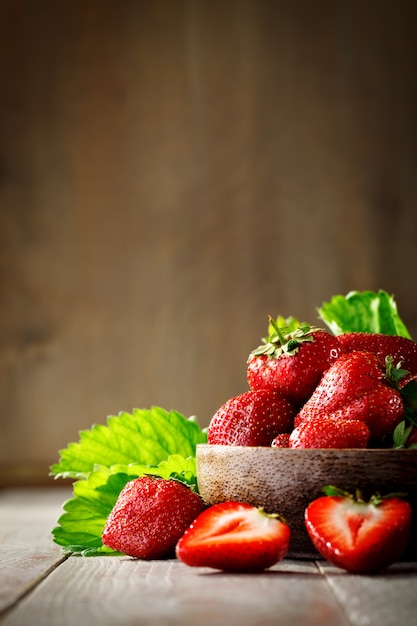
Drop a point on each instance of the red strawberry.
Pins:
(292, 362)
(234, 537)
(401, 349)
(357, 386)
(328, 432)
(150, 516)
(281, 441)
(252, 418)
(359, 536)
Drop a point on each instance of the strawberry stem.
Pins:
(279, 335)
(276, 516)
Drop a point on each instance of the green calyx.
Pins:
(276, 516)
(401, 434)
(375, 500)
(394, 373)
(408, 392)
(284, 338)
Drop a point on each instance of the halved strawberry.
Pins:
(252, 418)
(234, 537)
(150, 516)
(292, 362)
(357, 535)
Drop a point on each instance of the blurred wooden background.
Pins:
(173, 171)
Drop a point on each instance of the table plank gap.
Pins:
(388, 598)
(25, 572)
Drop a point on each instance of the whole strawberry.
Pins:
(150, 516)
(253, 418)
(281, 441)
(234, 537)
(401, 349)
(357, 535)
(292, 362)
(357, 386)
(330, 432)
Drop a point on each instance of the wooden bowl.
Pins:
(284, 480)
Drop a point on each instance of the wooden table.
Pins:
(39, 586)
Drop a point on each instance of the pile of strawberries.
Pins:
(307, 389)
(311, 389)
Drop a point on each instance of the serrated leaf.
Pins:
(81, 524)
(366, 311)
(146, 436)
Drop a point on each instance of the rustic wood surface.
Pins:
(174, 171)
(40, 587)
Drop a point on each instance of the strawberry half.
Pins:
(253, 418)
(359, 536)
(234, 537)
(293, 362)
(150, 516)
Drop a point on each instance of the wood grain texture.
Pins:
(173, 172)
(27, 553)
(112, 591)
(381, 591)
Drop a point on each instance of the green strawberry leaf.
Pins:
(81, 525)
(366, 311)
(147, 436)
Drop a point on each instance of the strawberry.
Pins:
(357, 535)
(149, 517)
(401, 349)
(234, 537)
(281, 441)
(330, 432)
(357, 386)
(292, 362)
(252, 418)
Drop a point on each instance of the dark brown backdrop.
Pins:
(173, 171)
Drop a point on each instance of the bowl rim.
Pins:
(312, 451)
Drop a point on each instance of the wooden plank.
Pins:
(23, 568)
(27, 516)
(108, 591)
(388, 598)
(27, 553)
